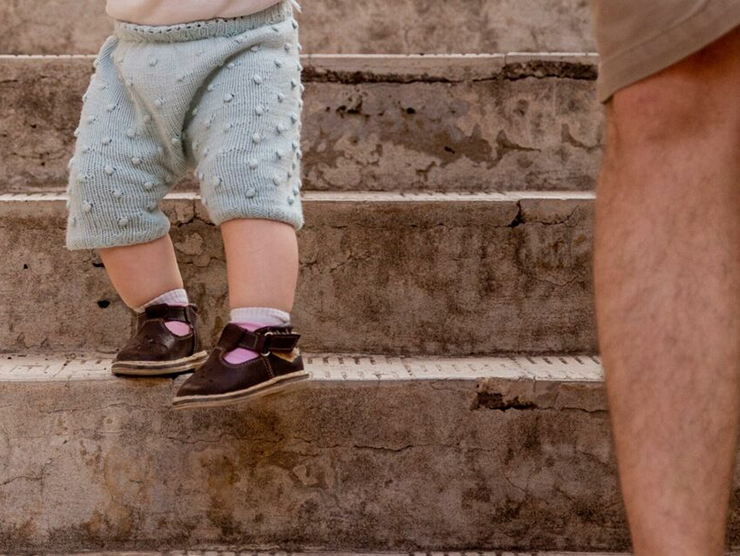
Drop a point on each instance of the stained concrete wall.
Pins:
(362, 464)
(379, 274)
(378, 123)
(338, 26)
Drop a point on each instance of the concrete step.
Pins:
(373, 123)
(377, 453)
(380, 272)
(238, 552)
(334, 26)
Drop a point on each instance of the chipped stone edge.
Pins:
(183, 208)
(410, 68)
(358, 196)
(239, 552)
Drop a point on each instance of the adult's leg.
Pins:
(667, 273)
(262, 263)
(142, 272)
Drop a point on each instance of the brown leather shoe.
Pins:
(154, 350)
(218, 382)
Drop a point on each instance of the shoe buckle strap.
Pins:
(167, 312)
(269, 341)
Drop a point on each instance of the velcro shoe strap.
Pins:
(268, 341)
(167, 313)
(264, 340)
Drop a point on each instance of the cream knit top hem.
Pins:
(171, 12)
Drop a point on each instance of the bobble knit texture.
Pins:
(222, 97)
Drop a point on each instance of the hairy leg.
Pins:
(667, 270)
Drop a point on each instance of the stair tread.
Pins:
(245, 552)
(237, 552)
(473, 57)
(43, 367)
(448, 68)
(360, 196)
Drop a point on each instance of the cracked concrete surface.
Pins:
(385, 273)
(515, 122)
(374, 454)
(334, 26)
(221, 551)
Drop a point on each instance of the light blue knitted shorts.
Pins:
(221, 96)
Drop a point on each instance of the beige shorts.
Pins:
(637, 38)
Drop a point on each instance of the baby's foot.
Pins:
(277, 366)
(156, 349)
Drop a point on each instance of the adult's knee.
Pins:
(670, 108)
(694, 98)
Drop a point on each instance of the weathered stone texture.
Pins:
(52, 26)
(385, 124)
(218, 551)
(364, 464)
(233, 552)
(337, 26)
(380, 273)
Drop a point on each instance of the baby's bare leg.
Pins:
(262, 262)
(142, 272)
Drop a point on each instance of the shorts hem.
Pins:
(668, 48)
(134, 237)
(288, 217)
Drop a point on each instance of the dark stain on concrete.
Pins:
(541, 69)
(495, 400)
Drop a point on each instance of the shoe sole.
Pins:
(159, 368)
(273, 386)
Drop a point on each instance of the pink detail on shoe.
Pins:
(178, 328)
(241, 355)
(175, 326)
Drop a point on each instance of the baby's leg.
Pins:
(143, 272)
(257, 354)
(262, 263)
(146, 275)
(246, 146)
(125, 159)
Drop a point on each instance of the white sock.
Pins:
(173, 297)
(265, 316)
